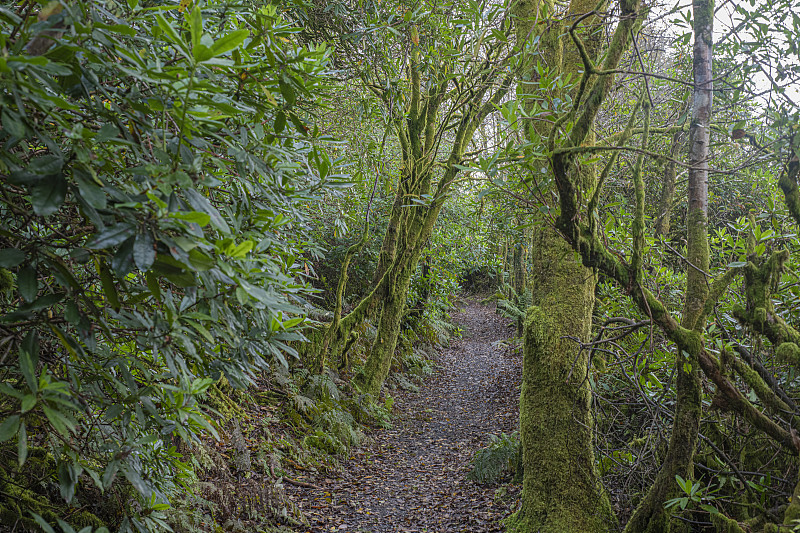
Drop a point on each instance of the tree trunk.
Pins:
(561, 486)
(518, 280)
(667, 197)
(651, 516)
(380, 360)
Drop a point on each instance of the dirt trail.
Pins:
(413, 478)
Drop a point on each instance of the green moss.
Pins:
(788, 184)
(789, 353)
(6, 280)
(698, 255)
(759, 386)
(791, 516)
(723, 524)
(17, 502)
(380, 359)
(218, 397)
(561, 487)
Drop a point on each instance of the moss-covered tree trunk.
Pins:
(561, 487)
(518, 279)
(667, 197)
(422, 189)
(380, 359)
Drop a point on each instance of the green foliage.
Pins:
(335, 431)
(154, 165)
(499, 460)
(692, 496)
(512, 305)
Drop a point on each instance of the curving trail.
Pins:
(413, 478)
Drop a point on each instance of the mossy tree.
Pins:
(561, 490)
(571, 145)
(436, 96)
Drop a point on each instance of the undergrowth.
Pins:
(512, 305)
(499, 461)
(292, 423)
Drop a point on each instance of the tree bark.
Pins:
(651, 516)
(561, 486)
(667, 198)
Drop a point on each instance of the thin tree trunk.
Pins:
(667, 197)
(651, 516)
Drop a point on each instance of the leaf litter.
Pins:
(412, 477)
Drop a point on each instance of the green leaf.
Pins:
(27, 363)
(241, 250)
(228, 42)
(201, 203)
(201, 262)
(737, 264)
(37, 169)
(292, 322)
(144, 252)
(287, 91)
(106, 133)
(67, 479)
(195, 20)
(280, 121)
(42, 523)
(9, 427)
(28, 283)
(8, 390)
(152, 284)
(195, 217)
(61, 423)
(174, 271)
(48, 195)
(111, 236)
(110, 473)
(28, 402)
(202, 330)
(11, 257)
(171, 34)
(122, 262)
(199, 385)
(135, 479)
(109, 286)
(14, 126)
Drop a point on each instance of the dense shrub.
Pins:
(154, 164)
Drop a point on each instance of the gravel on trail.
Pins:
(412, 477)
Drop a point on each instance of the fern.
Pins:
(510, 310)
(322, 387)
(515, 306)
(401, 381)
(302, 404)
(499, 460)
(336, 432)
(417, 364)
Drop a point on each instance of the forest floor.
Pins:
(412, 477)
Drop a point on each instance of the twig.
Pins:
(300, 483)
